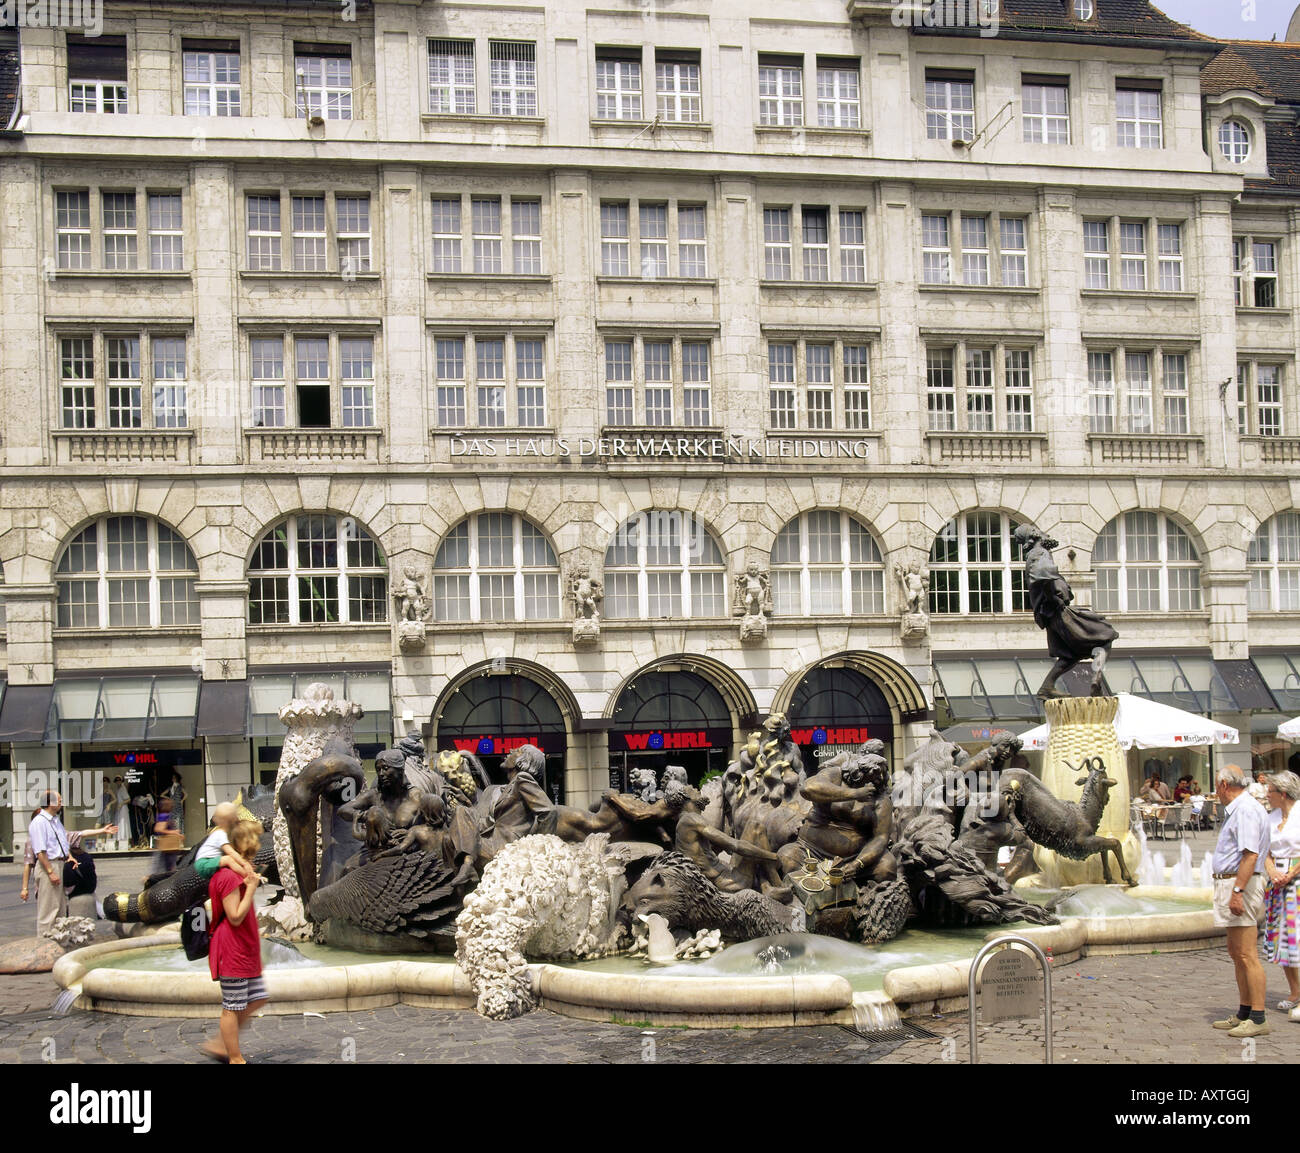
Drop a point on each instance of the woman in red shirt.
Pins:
(235, 956)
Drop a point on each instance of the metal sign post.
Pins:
(1010, 986)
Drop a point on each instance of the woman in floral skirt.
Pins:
(1281, 932)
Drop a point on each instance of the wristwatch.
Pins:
(1238, 889)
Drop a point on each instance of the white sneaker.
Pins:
(1295, 1014)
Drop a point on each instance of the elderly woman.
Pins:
(1281, 935)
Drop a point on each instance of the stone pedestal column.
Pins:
(1082, 728)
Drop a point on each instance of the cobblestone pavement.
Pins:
(1143, 1009)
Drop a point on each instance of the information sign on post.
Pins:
(1011, 987)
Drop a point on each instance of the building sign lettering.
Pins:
(721, 448)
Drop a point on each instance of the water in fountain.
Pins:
(276, 954)
(1182, 873)
(1101, 901)
(770, 962)
(875, 1016)
(786, 954)
(1152, 869)
(1207, 871)
(63, 1002)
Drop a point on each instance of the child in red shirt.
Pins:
(235, 955)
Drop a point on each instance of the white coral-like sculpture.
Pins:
(539, 897)
(72, 932)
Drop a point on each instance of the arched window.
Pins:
(1234, 141)
(826, 563)
(975, 566)
(1145, 563)
(126, 572)
(1274, 561)
(316, 568)
(496, 566)
(664, 564)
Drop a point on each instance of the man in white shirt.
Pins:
(49, 841)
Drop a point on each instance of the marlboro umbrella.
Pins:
(1144, 724)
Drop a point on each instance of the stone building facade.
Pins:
(656, 292)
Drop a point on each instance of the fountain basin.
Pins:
(658, 997)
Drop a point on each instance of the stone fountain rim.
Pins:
(700, 1002)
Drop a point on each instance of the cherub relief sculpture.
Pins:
(914, 584)
(585, 592)
(753, 601)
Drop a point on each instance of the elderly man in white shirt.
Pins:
(49, 841)
(1238, 863)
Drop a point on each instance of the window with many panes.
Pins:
(1259, 399)
(618, 83)
(312, 380)
(308, 232)
(839, 101)
(949, 104)
(1234, 141)
(653, 239)
(677, 86)
(323, 81)
(451, 77)
(987, 248)
(975, 387)
(489, 380)
(814, 242)
(512, 80)
(496, 566)
(1273, 561)
(819, 383)
(1134, 255)
(977, 567)
(1139, 391)
(115, 380)
(210, 75)
(1138, 118)
(658, 381)
(664, 563)
(1045, 109)
(827, 563)
(97, 74)
(118, 230)
(317, 568)
(1145, 563)
(126, 572)
(780, 90)
(1254, 272)
(487, 235)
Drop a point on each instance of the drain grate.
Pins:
(903, 1031)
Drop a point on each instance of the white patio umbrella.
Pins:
(1290, 730)
(1146, 724)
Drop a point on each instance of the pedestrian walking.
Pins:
(166, 839)
(1281, 933)
(1238, 865)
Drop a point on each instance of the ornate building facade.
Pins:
(606, 377)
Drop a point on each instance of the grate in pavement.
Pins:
(903, 1031)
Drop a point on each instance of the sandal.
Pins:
(1287, 1005)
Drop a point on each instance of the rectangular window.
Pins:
(1169, 254)
(166, 232)
(853, 247)
(780, 91)
(1264, 272)
(1045, 111)
(357, 377)
(449, 370)
(312, 368)
(117, 210)
(446, 235)
(618, 83)
(485, 222)
(526, 229)
(781, 385)
(618, 382)
(857, 391)
(614, 260)
(1015, 253)
(267, 357)
(936, 254)
(776, 244)
(1096, 249)
(451, 77)
(1138, 117)
(1174, 380)
(97, 74)
(211, 79)
(72, 229)
(1101, 392)
(530, 377)
(263, 233)
(1019, 394)
(949, 105)
(821, 385)
(1132, 256)
(696, 402)
(1268, 399)
(169, 375)
(513, 77)
(974, 249)
(677, 87)
(816, 244)
(323, 75)
(125, 406)
(77, 381)
(309, 233)
(658, 382)
(940, 390)
(838, 99)
(692, 257)
(490, 358)
(979, 390)
(654, 240)
(352, 224)
(1137, 387)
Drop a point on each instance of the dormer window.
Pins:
(1083, 9)
(1234, 141)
